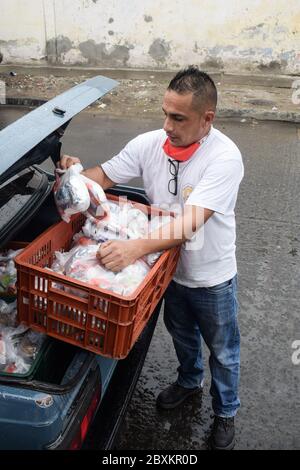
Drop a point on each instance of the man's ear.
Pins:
(209, 116)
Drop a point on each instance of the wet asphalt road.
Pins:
(268, 253)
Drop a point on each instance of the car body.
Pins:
(73, 399)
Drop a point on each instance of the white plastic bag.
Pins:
(8, 313)
(75, 193)
(18, 348)
(8, 272)
(98, 206)
(70, 192)
(121, 223)
(128, 280)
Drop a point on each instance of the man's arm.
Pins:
(96, 173)
(117, 254)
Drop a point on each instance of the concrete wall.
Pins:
(216, 34)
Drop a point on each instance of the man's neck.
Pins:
(205, 135)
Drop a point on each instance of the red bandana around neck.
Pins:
(182, 154)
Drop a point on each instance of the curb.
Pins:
(265, 79)
(293, 117)
(283, 116)
(30, 102)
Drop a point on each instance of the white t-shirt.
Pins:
(209, 179)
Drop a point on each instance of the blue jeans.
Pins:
(210, 313)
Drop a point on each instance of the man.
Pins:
(191, 164)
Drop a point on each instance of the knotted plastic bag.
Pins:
(75, 193)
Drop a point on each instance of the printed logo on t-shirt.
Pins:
(187, 191)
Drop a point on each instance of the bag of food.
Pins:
(98, 207)
(8, 272)
(75, 193)
(70, 192)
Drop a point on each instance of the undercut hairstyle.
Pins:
(193, 80)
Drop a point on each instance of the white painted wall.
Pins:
(217, 34)
(22, 31)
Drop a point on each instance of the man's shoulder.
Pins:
(222, 147)
(222, 144)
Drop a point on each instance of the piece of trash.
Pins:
(243, 120)
(167, 426)
(219, 83)
(151, 76)
(13, 74)
(102, 106)
(274, 108)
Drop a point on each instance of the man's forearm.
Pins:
(166, 237)
(97, 174)
(180, 230)
(145, 246)
(117, 254)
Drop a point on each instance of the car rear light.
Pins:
(86, 421)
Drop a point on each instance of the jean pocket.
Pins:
(220, 288)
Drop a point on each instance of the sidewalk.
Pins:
(261, 97)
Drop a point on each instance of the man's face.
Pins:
(184, 124)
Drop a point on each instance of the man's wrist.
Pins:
(140, 246)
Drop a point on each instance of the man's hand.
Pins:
(66, 161)
(117, 254)
(96, 173)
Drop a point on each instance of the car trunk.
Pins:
(27, 209)
(52, 407)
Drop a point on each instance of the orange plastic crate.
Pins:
(94, 319)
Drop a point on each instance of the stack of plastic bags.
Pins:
(118, 222)
(124, 222)
(82, 264)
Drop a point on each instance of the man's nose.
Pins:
(168, 127)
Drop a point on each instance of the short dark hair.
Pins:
(193, 80)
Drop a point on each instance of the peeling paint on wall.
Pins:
(213, 63)
(159, 50)
(99, 54)
(274, 65)
(56, 47)
(21, 50)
